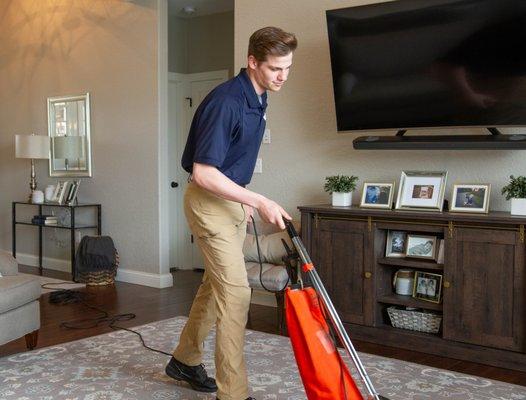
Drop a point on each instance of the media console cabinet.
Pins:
(483, 279)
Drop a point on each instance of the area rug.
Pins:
(52, 284)
(115, 366)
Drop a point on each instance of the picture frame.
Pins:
(421, 246)
(421, 191)
(60, 192)
(470, 198)
(395, 244)
(427, 287)
(72, 197)
(377, 195)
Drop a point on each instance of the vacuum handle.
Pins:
(290, 228)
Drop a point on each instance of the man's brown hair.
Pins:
(271, 41)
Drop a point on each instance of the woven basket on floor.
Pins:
(414, 320)
(99, 278)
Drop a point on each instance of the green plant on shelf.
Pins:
(340, 183)
(516, 188)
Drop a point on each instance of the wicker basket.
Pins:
(99, 278)
(414, 320)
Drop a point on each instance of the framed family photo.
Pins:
(421, 246)
(377, 195)
(427, 287)
(470, 198)
(395, 246)
(421, 191)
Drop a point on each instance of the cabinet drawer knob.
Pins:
(447, 284)
(368, 275)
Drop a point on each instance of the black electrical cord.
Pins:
(66, 296)
(261, 264)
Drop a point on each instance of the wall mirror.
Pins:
(69, 130)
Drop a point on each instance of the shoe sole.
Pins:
(178, 375)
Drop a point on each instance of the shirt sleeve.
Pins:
(214, 129)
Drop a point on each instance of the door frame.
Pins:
(176, 259)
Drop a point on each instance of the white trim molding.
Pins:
(56, 264)
(158, 281)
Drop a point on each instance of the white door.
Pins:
(185, 93)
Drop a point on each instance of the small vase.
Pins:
(341, 199)
(518, 206)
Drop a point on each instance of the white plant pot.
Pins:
(341, 199)
(518, 206)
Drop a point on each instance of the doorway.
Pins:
(200, 57)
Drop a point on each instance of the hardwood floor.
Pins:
(149, 304)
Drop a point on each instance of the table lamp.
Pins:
(68, 148)
(33, 147)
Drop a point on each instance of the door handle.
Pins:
(174, 184)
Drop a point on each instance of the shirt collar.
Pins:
(250, 92)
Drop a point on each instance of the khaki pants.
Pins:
(224, 295)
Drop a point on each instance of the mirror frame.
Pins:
(51, 133)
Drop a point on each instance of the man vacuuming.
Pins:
(220, 155)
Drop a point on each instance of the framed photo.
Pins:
(395, 246)
(470, 198)
(377, 195)
(421, 246)
(422, 191)
(60, 192)
(427, 287)
(72, 196)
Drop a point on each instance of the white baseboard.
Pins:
(55, 264)
(144, 278)
(263, 298)
(123, 275)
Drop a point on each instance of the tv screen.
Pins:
(429, 63)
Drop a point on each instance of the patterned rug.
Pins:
(115, 366)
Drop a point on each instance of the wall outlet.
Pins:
(266, 136)
(258, 169)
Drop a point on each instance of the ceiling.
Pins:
(202, 7)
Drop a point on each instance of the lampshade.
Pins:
(31, 146)
(71, 147)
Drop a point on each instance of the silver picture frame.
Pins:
(470, 198)
(421, 191)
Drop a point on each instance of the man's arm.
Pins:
(210, 178)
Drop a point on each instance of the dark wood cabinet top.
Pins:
(493, 217)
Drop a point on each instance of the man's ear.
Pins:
(252, 63)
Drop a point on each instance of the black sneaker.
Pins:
(195, 376)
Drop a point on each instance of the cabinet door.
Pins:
(484, 304)
(339, 253)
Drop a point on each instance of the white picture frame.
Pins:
(470, 198)
(377, 195)
(421, 191)
(421, 246)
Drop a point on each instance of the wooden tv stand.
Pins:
(484, 282)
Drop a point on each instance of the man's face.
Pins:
(270, 74)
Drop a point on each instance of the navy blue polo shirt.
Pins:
(227, 130)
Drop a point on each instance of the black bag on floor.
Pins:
(96, 261)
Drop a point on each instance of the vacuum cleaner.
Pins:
(324, 374)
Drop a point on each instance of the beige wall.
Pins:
(202, 44)
(107, 48)
(306, 146)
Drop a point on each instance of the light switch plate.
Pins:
(258, 169)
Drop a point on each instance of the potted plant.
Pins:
(341, 188)
(516, 191)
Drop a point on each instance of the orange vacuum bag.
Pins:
(323, 372)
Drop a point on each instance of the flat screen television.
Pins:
(429, 63)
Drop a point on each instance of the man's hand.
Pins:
(272, 212)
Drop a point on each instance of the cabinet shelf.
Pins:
(412, 263)
(408, 301)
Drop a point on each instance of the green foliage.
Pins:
(516, 189)
(340, 183)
